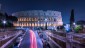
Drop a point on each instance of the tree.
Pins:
(9, 20)
(78, 28)
(12, 18)
(81, 22)
(72, 19)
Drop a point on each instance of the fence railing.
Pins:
(11, 41)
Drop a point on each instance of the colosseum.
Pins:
(38, 18)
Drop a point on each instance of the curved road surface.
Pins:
(31, 40)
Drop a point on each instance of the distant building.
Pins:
(38, 18)
(81, 22)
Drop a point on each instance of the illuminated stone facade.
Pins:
(36, 18)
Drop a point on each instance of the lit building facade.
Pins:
(38, 18)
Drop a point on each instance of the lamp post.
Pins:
(74, 24)
(38, 24)
(46, 24)
(4, 22)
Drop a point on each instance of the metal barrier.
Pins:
(11, 41)
(76, 40)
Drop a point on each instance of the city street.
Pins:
(31, 40)
(42, 24)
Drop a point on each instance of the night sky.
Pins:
(64, 6)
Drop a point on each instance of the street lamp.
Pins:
(38, 24)
(74, 24)
(4, 22)
(46, 24)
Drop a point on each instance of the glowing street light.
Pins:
(4, 22)
(46, 24)
(74, 23)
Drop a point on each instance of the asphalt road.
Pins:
(31, 40)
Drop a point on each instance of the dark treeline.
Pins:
(8, 18)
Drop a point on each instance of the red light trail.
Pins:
(33, 39)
